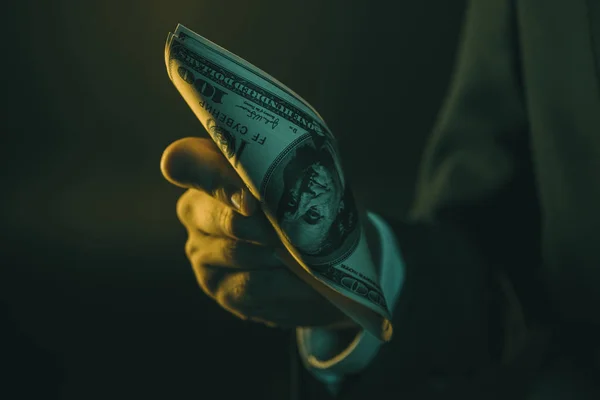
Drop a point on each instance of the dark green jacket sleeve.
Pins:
(462, 225)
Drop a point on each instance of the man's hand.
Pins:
(231, 243)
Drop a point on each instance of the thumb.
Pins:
(197, 163)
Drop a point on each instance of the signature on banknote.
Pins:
(259, 115)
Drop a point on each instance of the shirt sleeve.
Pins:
(315, 344)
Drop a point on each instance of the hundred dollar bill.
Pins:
(288, 158)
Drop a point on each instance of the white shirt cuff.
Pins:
(313, 342)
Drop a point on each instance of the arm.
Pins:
(459, 228)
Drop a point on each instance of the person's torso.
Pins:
(560, 53)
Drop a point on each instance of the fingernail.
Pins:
(248, 201)
(236, 200)
(244, 201)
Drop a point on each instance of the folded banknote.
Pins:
(289, 160)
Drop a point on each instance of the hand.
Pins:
(231, 243)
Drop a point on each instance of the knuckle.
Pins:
(237, 294)
(190, 248)
(209, 279)
(231, 250)
(227, 221)
(216, 188)
(248, 295)
(184, 208)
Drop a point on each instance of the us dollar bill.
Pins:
(288, 158)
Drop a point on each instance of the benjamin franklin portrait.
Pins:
(316, 211)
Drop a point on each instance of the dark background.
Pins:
(97, 298)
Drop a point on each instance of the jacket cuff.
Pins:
(314, 343)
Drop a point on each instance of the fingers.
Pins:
(203, 250)
(197, 163)
(251, 282)
(276, 297)
(198, 211)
